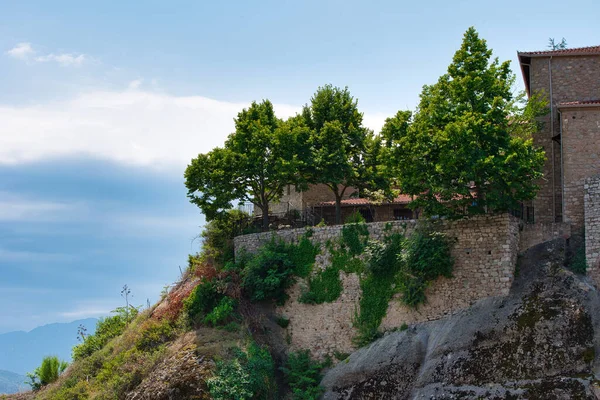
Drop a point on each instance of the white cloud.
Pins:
(135, 84)
(21, 51)
(64, 59)
(130, 127)
(24, 51)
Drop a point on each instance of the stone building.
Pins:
(570, 80)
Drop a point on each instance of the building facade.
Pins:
(570, 80)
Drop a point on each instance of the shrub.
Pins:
(324, 287)
(283, 321)
(385, 256)
(222, 311)
(106, 329)
(426, 257)
(247, 375)
(355, 237)
(47, 372)
(218, 234)
(155, 334)
(303, 375)
(355, 218)
(269, 273)
(303, 255)
(208, 304)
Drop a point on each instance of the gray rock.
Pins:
(539, 342)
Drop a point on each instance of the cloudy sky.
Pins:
(103, 104)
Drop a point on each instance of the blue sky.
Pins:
(103, 105)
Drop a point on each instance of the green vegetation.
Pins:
(325, 285)
(468, 149)
(256, 163)
(399, 265)
(246, 375)
(208, 304)
(106, 329)
(47, 372)
(274, 268)
(578, 263)
(218, 234)
(303, 376)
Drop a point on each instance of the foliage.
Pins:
(338, 142)
(325, 285)
(154, 335)
(426, 257)
(47, 372)
(248, 375)
(578, 263)
(383, 265)
(354, 237)
(208, 304)
(303, 375)
(256, 163)
(106, 329)
(283, 321)
(269, 273)
(355, 218)
(468, 149)
(218, 234)
(553, 45)
(274, 268)
(222, 312)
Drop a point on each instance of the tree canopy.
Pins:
(257, 161)
(468, 148)
(338, 142)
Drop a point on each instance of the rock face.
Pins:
(539, 342)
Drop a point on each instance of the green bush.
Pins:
(247, 375)
(303, 376)
(303, 255)
(425, 258)
(269, 273)
(218, 234)
(355, 218)
(201, 301)
(355, 237)
(283, 321)
(578, 263)
(384, 256)
(47, 372)
(106, 329)
(222, 311)
(323, 287)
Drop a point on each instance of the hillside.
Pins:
(11, 382)
(22, 352)
(538, 342)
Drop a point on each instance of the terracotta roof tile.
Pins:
(576, 51)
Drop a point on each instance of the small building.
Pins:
(371, 211)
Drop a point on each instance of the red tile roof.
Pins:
(577, 51)
(401, 199)
(580, 103)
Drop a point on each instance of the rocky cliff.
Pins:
(539, 342)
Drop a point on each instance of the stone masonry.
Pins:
(592, 228)
(485, 257)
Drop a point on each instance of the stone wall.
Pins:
(534, 234)
(592, 227)
(485, 256)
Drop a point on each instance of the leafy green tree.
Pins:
(303, 375)
(47, 372)
(256, 163)
(338, 142)
(218, 234)
(468, 149)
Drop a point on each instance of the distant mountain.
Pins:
(12, 383)
(22, 352)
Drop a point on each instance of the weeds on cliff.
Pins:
(354, 237)
(246, 375)
(106, 329)
(303, 376)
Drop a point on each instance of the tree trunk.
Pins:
(265, 217)
(338, 209)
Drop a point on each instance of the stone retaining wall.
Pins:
(534, 234)
(485, 256)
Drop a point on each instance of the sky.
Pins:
(103, 104)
